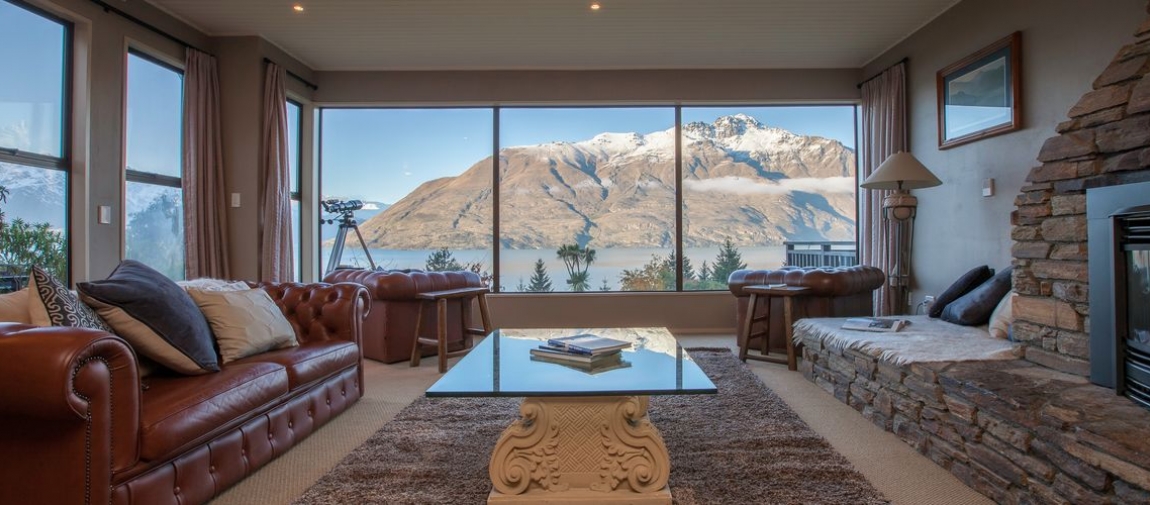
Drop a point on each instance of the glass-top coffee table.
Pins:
(584, 436)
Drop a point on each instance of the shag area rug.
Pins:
(924, 340)
(741, 446)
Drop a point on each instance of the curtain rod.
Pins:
(294, 75)
(873, 77)
(145, 24)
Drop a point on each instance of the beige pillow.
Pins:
(14, 307)
(1002, 317)
(244, 322)
(209, 284)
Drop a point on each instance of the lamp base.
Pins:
(899, 206)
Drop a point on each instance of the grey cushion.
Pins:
(975, 307)
(965, 284)
(155, 315)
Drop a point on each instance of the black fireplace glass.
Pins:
(1138, 296)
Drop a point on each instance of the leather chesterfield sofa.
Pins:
(79, 426)
(389, 331)
(835, 292)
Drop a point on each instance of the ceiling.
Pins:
(567, 34)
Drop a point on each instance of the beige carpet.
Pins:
(902, 475)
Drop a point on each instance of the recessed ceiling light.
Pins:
(595, 6)
(297, 8)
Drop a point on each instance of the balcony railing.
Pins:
(821, 254)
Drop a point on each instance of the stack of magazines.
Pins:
(880, 324)
(585, 352)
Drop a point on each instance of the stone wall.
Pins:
(1105, 142)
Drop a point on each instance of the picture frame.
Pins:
(980, 96)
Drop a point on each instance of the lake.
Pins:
(518, 265)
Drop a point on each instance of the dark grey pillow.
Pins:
(975, 307)
(967, 282)
(156, 316)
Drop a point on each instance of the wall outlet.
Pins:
(235, 199)
(927, 302)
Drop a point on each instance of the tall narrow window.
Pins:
(153, 197)
(34, 144)
(294, 113)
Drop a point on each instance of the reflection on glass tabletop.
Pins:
(502, 365)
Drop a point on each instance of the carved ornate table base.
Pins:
(595, 449)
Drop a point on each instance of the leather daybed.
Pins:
(79, 426)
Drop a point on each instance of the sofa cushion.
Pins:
(180, 410)
(975, 307)
(244, 322)
(965, 284)
(52, 304)
(155, 315)
(310, 362)
(14, 307)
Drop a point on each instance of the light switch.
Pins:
(104, 214)
(235, 199)
(988, 187)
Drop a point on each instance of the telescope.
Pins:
(334, 206)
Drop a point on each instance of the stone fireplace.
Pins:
(1105, 143)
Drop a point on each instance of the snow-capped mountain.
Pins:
(744, 181)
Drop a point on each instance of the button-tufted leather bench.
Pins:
(389, 332)
(835, 292)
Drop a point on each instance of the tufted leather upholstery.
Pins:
(389, 331)
(836, 292)
(78, 426)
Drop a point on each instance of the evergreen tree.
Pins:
(726, 262)
(442, 261)
(705, 272)
(688, 270)
(604, 286)
(540, 281)
(156, 236)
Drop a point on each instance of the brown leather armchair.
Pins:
(389, 332)
(835, 292)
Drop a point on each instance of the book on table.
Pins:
(553, 353)
(587, 343)
(592, 368)
(881, 324)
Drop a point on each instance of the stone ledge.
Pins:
(1012, 430)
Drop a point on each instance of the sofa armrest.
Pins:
(69, 412)
(839, 281)
(322, 311)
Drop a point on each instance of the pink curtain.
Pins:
(275, 233)
(205, 219)
(883, 134)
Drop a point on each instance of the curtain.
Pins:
(883, 134)
(205, 222)
(275, 234)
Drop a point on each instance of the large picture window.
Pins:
(34, 144)
(153, 195)
(597, 198)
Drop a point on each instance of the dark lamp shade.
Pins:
(901, 171)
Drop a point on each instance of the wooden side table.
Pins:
(788, 294)
(464, 295)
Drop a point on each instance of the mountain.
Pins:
(744, 181)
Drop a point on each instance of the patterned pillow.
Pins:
(54, 305)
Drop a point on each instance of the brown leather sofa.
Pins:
(79, 426)
(389, 331)
(835, 292)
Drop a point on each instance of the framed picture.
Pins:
(980, 96)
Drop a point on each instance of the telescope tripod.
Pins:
(346, 222)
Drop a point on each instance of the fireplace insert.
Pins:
(1132, 297)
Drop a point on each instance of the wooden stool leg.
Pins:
(441, 334)
(483, 314)
(415, 346)
(748, 322)
(765, 343)
(789, 332)
(465, 321)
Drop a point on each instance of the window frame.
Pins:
(297, 195)
(64, 162)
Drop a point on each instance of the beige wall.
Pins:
(1065, 44)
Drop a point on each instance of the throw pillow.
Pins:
(14, 307)
(244, 322)
(208, 284)
(155, 315)
(975, 307)
(1002, 318)
(967, 282)
(50, 303)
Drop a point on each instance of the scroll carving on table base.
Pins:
(581, 450)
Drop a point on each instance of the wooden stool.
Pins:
(788, 293)
(464, 295)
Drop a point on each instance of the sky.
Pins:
(383, 154)
(35, 100)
